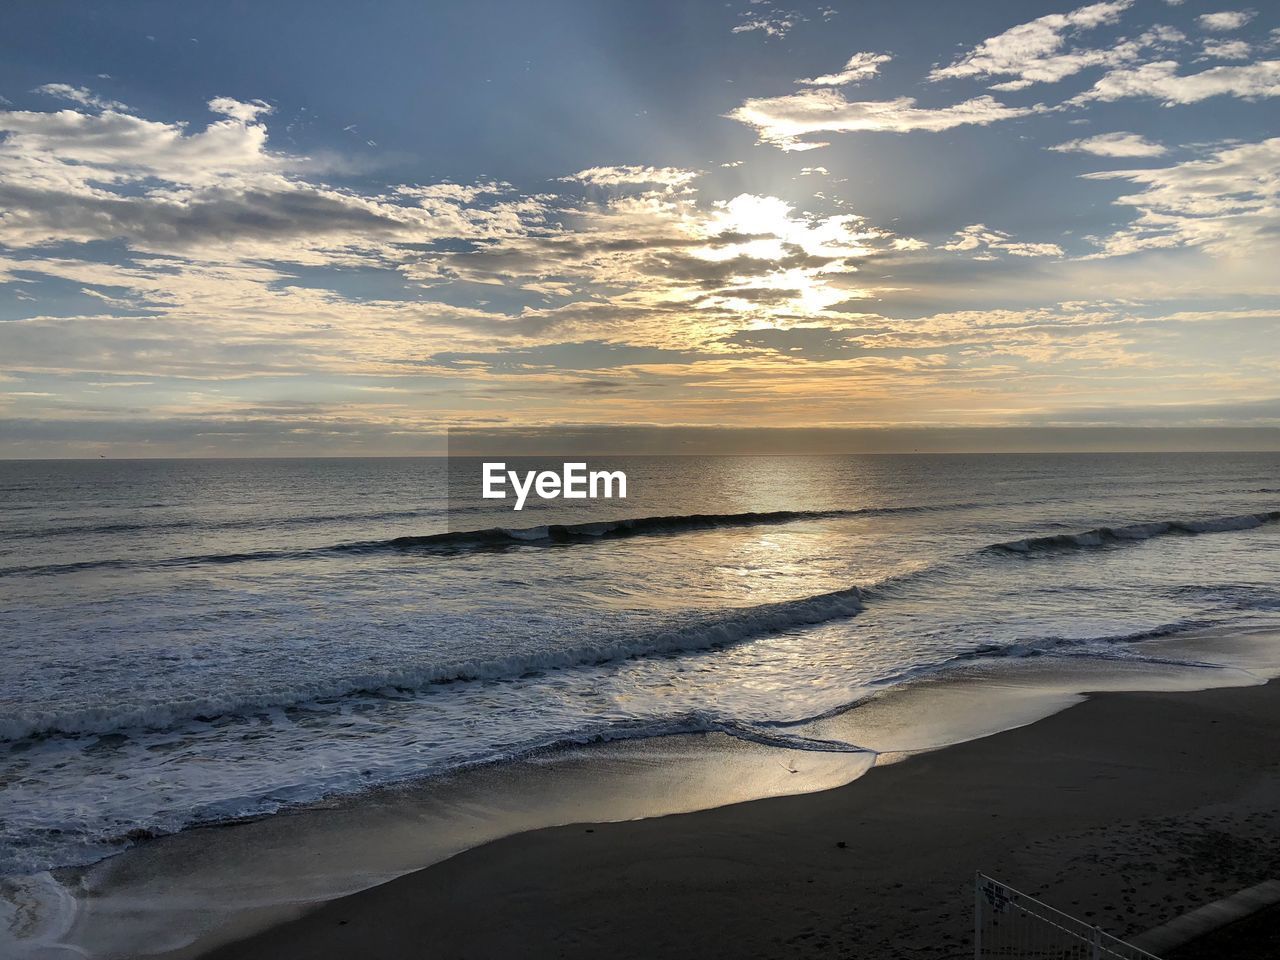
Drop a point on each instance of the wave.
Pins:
(1106, 536)
(492, 538)
(1233, 596)
(550, 535)
(768, 737)
(1044, 646)
(52, 569)
(720, 629)
(84, 844)
(1099, 647)
(611, 529)
(266, 523)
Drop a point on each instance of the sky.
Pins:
(329, 228)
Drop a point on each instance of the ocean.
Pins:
(188, 642)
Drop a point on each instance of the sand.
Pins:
(1126, 810)
(1254, 938)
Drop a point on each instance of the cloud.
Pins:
(238, 110)
(216, 215)
(592, 355)
(1224, 20)
(81, 95)
(1204, 413)
(628, 175)
(1162, 81)
(859, 67)
(1113, 145)
(1228, 204)
(1032, 52)
(453, 192)
(783, 121)
(236, 263)
(986, 244)
(80, 177)
(72, 149)
(658, 254)
(214, 229)
(773, 22)
(1227, 49)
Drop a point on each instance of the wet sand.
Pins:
(1126, 810)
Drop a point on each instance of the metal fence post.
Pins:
(977, 916)
(1017, 926)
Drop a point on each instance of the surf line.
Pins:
(573, 482)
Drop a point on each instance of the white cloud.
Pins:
(772, 22)
(454, 192)
(633, 175)
(73, 176)
(1033, 52)
(783, 121)
(214, 222)
(81, 95)
(859, 67)
(1227, 49)
(214, 216)
(1228, 204)
(1162, 81)
(1113, 145)
(986, 244)
(238, 110)
(63, 147)
(1225, 20)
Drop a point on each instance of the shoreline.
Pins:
(1127, 810)
(187, 894)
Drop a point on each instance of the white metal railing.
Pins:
(1007, 923)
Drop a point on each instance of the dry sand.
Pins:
(1126, 810)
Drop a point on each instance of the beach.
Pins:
(1126, 810)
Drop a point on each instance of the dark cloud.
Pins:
(210, 216)
(683, 269)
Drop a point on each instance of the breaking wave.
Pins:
(613, 529)
(1106, 536)
(719, 629)
(149, 526)
(699, 632)
(492, 538)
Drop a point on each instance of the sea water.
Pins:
(187, 642)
